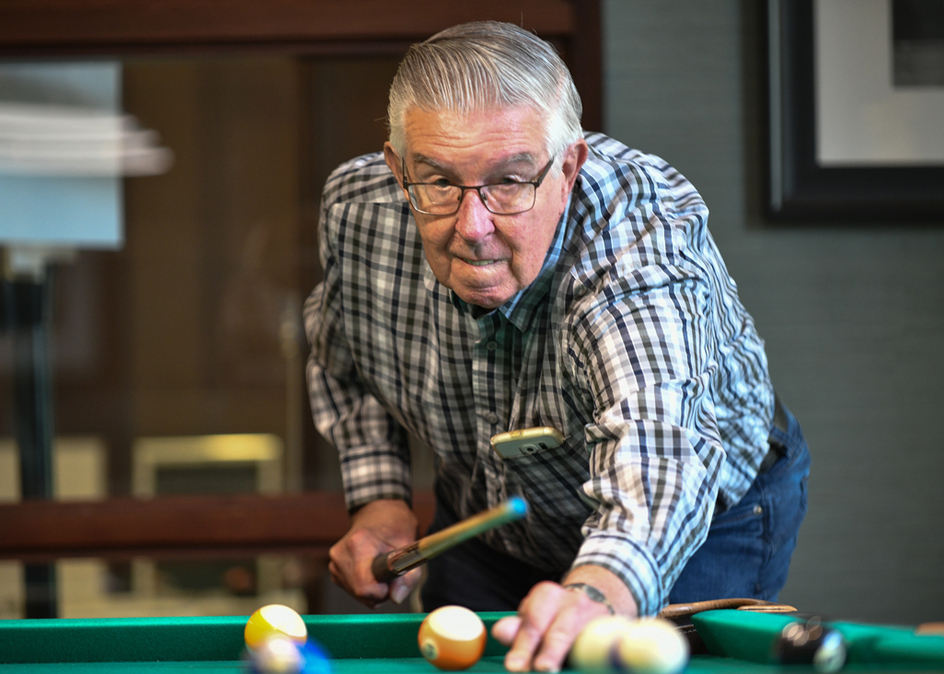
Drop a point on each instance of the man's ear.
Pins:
(574, 158)
(394, 162)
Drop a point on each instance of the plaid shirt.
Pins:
(632, 342)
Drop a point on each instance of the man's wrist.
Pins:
(591, 592)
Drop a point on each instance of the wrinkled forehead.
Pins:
(509, 134)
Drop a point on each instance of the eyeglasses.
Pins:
(510, 197)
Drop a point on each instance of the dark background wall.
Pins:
(853, 315)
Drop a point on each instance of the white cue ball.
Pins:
(591, 650)
(651, 646)
(277, 654)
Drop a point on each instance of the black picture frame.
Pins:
(800, 188)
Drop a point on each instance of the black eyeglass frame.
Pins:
(478, 189)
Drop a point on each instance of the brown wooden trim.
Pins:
(301, 48)
(113, 28)
(106, 25)
(586, 61)
(174, 526)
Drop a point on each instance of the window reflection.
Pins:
(192, 328)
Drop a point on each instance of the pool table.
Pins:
(386, 644)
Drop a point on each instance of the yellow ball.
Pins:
(651, 646)
(274, 619)
(592, 647)
(452, 637)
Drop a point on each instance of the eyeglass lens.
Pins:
(501, 199)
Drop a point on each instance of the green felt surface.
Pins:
(744, 635)
(884, 643)
(349, 666)
(699, 665)
(121, 640)
(386, 644)
(379, 636)
(750, 636)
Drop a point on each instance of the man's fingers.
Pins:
(557, 641)
(526, 643)
(371, 595)
(506, 629)
(379, 526)
(400, 588)
(548, 622)
(350, 571)
(536, 613)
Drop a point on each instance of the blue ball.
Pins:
(315, 659)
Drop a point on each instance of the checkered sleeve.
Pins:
(372, 447)
(642, 348)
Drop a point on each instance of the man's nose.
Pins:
(473, 220)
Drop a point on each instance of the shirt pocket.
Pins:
(551, 481)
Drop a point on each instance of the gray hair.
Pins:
(484, 65)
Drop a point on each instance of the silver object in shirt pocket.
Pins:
(526, 441)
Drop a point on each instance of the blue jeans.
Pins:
(748, 549)
(747, 552)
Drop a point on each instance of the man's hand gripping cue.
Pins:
(378, 527)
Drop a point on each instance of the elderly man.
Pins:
(496, 269)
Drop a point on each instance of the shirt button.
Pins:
(491, 418)
(491, 346)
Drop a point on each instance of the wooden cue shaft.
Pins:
(389, 565)
(744, 604)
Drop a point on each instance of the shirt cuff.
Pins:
(632, 563)
(370, 474)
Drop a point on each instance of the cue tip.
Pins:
(518, 506)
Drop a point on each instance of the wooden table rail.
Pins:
(179, 526)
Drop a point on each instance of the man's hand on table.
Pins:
(379, 526)
(550, 618)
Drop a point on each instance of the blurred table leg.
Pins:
(33, 400)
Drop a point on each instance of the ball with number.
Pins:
(452, 638)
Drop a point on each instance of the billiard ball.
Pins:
(592, 647)
(314, 659)
(650, 646)
(279, 654)
(274, 618)
(452, 637)
(811, 642)
(276, 654)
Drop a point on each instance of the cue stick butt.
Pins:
(382, 571)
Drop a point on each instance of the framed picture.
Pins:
(856, 109)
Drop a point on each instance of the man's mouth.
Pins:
(479, 263)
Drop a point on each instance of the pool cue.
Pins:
(388, 565)
(681, 615)
(673, 611)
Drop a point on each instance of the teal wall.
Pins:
(853, 316)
